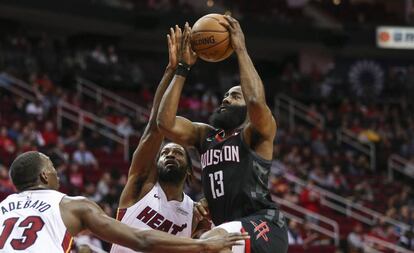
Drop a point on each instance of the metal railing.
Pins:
(347, 207)
(68, 111)
(297, 109)
(92, 122)
(367, 148)
(333, 232)
(398, 163)
(99, 94)
(17, 87)
(371, 244)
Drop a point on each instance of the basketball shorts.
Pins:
(266, 236)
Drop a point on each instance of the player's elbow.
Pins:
(163, 124)
(255, 102)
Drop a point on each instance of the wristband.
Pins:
(183, 69)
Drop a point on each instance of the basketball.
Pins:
(210, 40)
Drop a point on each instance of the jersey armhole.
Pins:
(143, 197)
(252, 152)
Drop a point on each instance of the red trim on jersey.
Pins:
(120, 213)
(218, 137)
(246, 242)
(67, 242)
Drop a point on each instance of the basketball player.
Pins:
(40, 218)
(236, 151)
(153, 196)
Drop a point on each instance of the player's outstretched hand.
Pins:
(218, 243)
(174, 46)
(188, 56)
(236, 34)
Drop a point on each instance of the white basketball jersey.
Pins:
(153, 211)
(30, 222)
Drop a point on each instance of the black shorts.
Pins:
(265, 236)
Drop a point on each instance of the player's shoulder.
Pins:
(75, 201)
(203, 127)
(188, 201)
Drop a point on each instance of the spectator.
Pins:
(363, 193)
(309, 198)
(15, 131)
(29, 138)
(407, 240)
(124, 127)
(99, 56)
(104, 185)
(90, 192)
(58, 154)
(294, 233)
(112, 56)
(318, 176)
(336, 181)
(405, 215)
(319, 146)
(76, 177)
(49, 134)
(6, 143)
(356, 239)
(84, 157)
(35, 109)
(309, 237)
(5, 183)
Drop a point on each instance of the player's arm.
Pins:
(80, 214)
(261, 120)
(176, 128)
(142, 172)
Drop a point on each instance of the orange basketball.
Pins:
(210, 40)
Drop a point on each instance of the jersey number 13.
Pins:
(216, 183)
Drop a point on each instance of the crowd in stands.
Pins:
(310, 152)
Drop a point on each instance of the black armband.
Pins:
(183, 69)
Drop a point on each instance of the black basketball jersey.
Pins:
(235, 179)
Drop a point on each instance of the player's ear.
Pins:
(43, 176)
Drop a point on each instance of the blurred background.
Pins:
(77, 80)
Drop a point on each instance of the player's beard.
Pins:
(229, 119)
(172, 175)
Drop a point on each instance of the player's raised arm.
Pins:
(179, 129)
(142, 173)
(80, 214)
(261, 119)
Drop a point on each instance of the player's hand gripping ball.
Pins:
(211, 40)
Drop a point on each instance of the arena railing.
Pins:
(17, 87)
(92, 122)
(347, 207)
(398, 163)
(347, 137)
(70, 112)
(371, 244)
(99, 94)
(295, 109)
(316, 224)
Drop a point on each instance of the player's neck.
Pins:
(36, 187)
(173, 191)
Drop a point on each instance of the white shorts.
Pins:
(236, 227)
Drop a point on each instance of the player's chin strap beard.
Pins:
(230, 119)
(173, 176)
